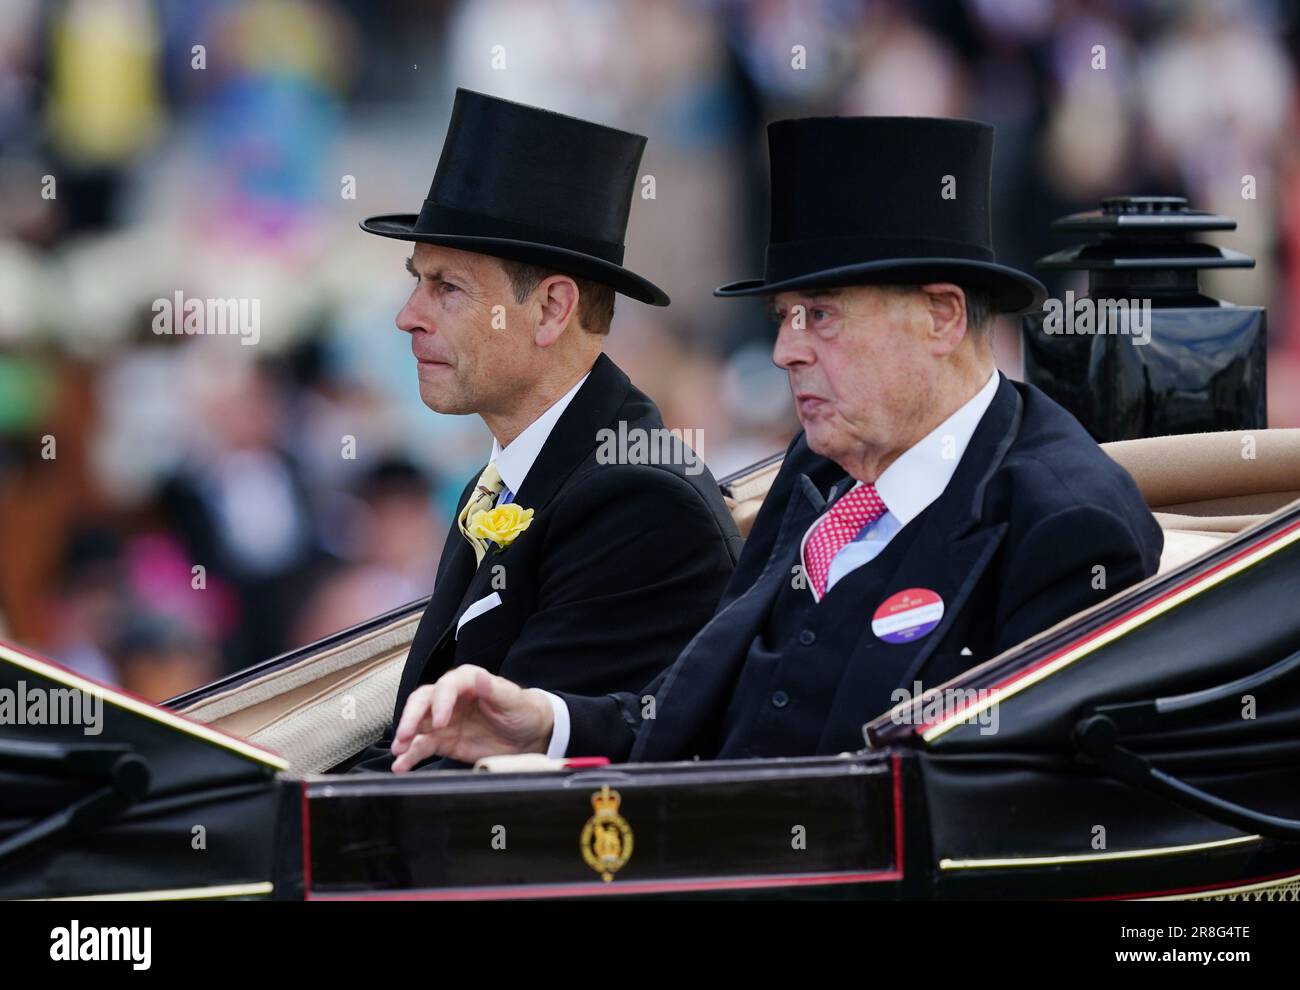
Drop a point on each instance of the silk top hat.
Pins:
(531, 185)
(883, 200)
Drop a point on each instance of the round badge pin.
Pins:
(907, 614)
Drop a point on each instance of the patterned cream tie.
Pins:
(485, 491)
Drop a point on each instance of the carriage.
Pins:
(1148, 747)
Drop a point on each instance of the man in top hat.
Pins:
(931, 514)
(570, 568)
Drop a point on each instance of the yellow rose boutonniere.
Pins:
(500, 525)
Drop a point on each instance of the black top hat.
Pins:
(867, 200)
(531, 185)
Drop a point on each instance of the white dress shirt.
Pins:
(513, 462)
(912, 482)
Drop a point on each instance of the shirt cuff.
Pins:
(560, 732)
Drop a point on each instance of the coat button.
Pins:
(780, 699)
(807, 637)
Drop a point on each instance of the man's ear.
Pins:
(558, 297)
(947, 307)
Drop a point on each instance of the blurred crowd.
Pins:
(176, 507)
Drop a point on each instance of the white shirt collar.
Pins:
(922, 472)
(515, 460)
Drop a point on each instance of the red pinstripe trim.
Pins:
(896, 765)
(306, 841)
(1075, 644)
(615, 888)
(1189, 890)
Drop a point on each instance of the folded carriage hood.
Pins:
(1193, 678)
(102, 793)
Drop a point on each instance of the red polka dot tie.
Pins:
(842, 522)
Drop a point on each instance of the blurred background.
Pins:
(227, 148)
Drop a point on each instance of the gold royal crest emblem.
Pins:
(606, 840)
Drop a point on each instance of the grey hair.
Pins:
(979, 311)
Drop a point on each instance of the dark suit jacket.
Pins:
(621, 565)
(1010, 546)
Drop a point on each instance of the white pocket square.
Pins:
(477, 609)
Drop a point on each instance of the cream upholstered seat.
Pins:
(329, 704)
(1205, 487)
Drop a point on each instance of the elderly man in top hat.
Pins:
(931, 514)
(569, 569)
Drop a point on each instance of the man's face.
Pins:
(861, 366)
(472, 357)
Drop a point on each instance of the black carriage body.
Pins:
(1201, 365)
(146, 803)
(1205, 370)
(824, 827)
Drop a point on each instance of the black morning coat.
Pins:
(1010, 546)
(621, 565)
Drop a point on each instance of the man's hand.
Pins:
(468, 714)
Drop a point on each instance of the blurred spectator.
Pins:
(241, 510)
(397, 537)
(159, 658)
(104, 107)
(90, 604)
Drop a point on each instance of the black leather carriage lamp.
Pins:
(1145, 353)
